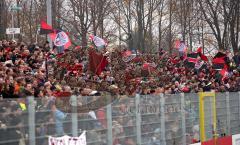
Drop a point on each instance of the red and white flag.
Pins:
(61, 39)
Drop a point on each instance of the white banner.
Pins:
(67, 140)
(196, 144)
(13, 31)
(236, 139)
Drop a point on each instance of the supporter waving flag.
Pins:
(61, 40)
(97, 62)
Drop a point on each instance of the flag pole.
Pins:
(49, 18)
(12, 24)
(49, 21)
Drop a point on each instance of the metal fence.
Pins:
(139, 120)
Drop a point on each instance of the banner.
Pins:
(196, 144)
(67, 140)
(13, 31)
(236, 139)
(220, 141)
(229, 140)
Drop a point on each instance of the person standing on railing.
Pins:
(59, 118)
(236, 59)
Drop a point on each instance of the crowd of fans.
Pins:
(23, 73)
(31, 71)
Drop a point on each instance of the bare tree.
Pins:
(123, 19)
(140, 24)
(170, 25)
(3, 18)
(99, 10)
(147, 24)
(216, 17)
(160, 14)
(152, 6)
(234, 24)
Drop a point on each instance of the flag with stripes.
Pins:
(191, 60)
(219, 61)
(202, 56)
(45, 28)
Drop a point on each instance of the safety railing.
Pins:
(143, 120)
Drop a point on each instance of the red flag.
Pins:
(204, 58)
(199, 50)
(97, 62)
(45, 28)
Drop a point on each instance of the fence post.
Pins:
(183, 119)
(138, 119)
(109, 124)
(228, 114)
(239, 107)
(74, 116)
(31, 121)
(162, 112)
